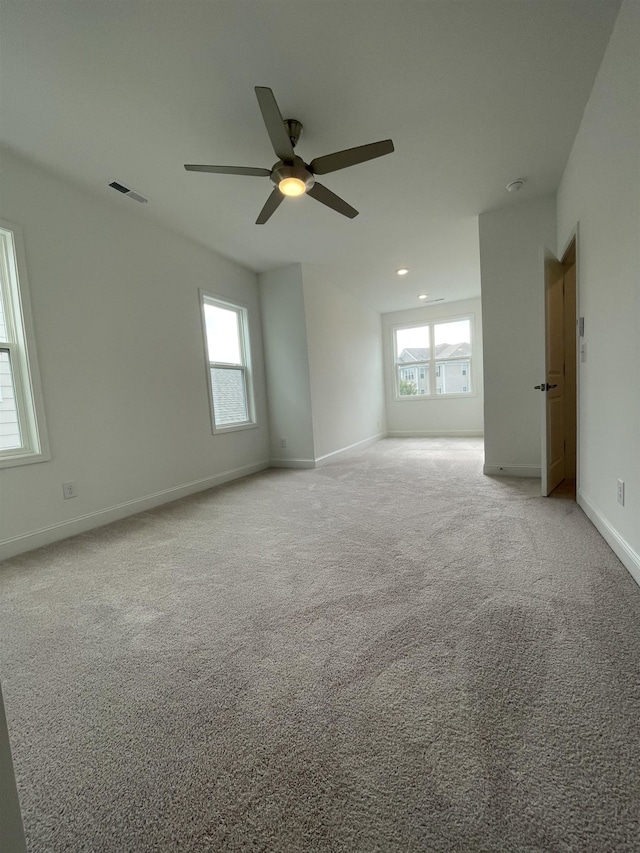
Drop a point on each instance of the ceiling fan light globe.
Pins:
(292, 179)
(292, 186)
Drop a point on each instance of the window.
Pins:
(441, 353)
(22, 426)
(229, 364)
(405, 338)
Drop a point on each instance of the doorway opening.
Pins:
(566, 306)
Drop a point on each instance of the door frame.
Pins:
(572, 244)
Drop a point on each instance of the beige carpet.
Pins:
(390, 653)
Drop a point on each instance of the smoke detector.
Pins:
(516, 185)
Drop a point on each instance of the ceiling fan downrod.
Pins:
(294, 129)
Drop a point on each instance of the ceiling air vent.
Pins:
(128, 192)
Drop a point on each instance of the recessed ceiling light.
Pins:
(423, 296)
(402, 271)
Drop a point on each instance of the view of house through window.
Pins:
(22, 436)
(433, 359)
(10, 437)
(229, 364)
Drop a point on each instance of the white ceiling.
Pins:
(474, 93)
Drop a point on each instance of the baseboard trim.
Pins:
(512, 471)
(292, 463)
(620, 547)
(345, 451)
(55, 532)
(327, 457)
(438, 433)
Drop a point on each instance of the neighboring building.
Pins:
(9, 429)
(452, 368)
(229, 396)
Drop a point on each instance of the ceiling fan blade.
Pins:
(350, 157)
(322, 194)
(274, 123)
(228, 170)
(271, 205)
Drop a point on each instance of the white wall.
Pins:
(600, 189)
(512, 242)
(287, 366)
(323, 355)
(435, 415)
(118, 329)
(345, 362)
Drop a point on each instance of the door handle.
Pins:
(545, 386)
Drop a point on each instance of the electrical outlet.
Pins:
(69, 490)
(283, 442)
(621, 492)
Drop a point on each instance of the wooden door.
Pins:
(552, 389)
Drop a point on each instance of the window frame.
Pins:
(431, 365)
(21, 347)
(242, 313)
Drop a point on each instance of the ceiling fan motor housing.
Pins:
(297, 169)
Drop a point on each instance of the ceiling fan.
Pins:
(291, 175)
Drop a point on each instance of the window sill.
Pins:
(233, 427)
(24, 458)
(421, 398)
